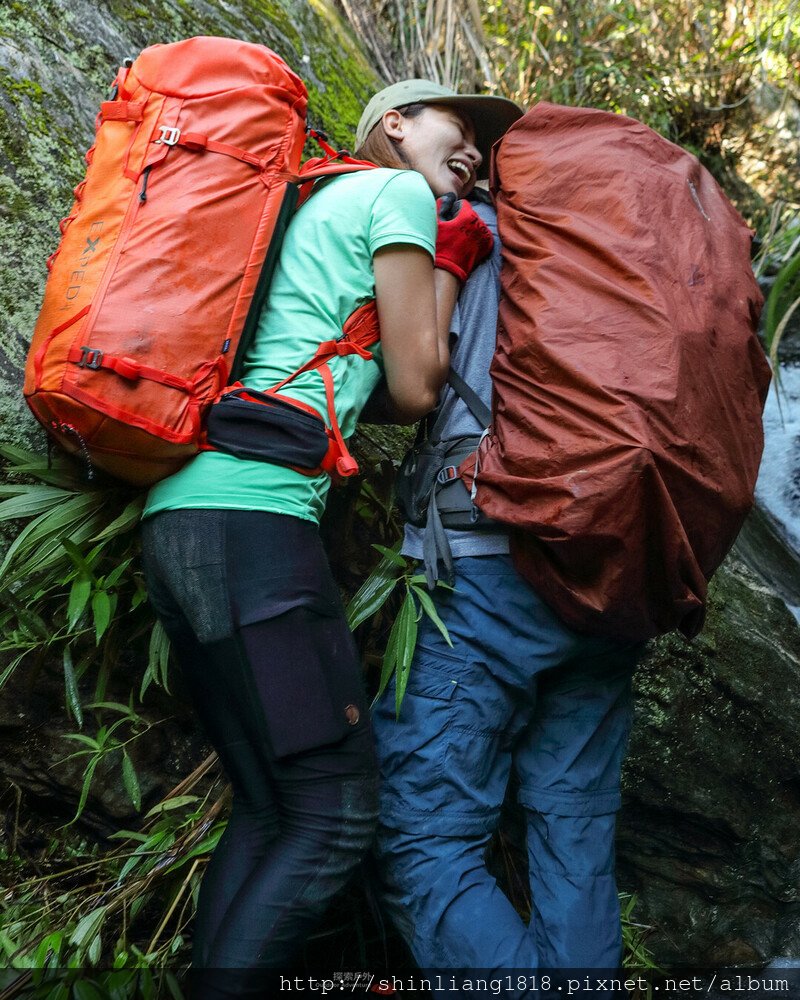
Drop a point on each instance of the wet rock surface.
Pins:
(708, 833)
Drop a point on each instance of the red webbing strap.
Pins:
(338, 461)
(330, 166)
(362, 326)
(38, 361)
(327, 349)
(196, 142)
(321, 140)
(360, 332)
(127, 368)
(319, 167)
(122, 111)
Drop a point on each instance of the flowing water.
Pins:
(778, 487)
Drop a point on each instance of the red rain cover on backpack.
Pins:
(167, 251)
(628, 379)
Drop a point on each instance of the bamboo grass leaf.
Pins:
(406, 646)
(117, 573)
(373, 593)
(45, 534)
(77, 557)
(87, 781)
(71, 687)
(393, 555)
(30, 621)
(9, 490)
(390, 656)
(114, 706)
(430, 610)
(101, 612)
(79, 594)
(33, 501)
(83, 738)
(88, 927)
(782, 288)
(168, 804)
(170, 979)
(9, 670)
(778, 333)
(81, 989)
(127, 520)
(131, 781)
(19, 456)
(51, 554)
(157, 660)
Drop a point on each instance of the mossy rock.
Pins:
(708, 832)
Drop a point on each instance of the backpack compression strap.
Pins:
(333, 163)
(360, 332)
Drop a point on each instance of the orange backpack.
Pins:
(167, 254)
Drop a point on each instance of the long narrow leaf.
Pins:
(87, 927)
(34, 501)
(373, 593)
(79, 595)
(131, 781)
(47, 550)
(87, 782)
(77, 558)
(49, 529)
(101, 612)
(405, 650)
(83, 738)
(157, 660)
(126, 521)
(393, 555)
(430, 610)
(389, 657)
(19, 456)
(71, 687)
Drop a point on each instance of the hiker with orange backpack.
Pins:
(578, 499)
(234, 563)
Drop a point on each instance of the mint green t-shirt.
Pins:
(323, 274)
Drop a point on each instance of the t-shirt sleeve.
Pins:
(404, 211)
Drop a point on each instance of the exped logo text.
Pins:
(85, 259)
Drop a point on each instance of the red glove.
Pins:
(462, 241)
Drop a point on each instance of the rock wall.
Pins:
(708, 833)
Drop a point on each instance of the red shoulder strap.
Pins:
(332, 163)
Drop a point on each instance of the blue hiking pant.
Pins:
(516, 690)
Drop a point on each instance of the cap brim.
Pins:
(490, 116)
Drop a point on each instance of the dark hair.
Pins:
(378, 148)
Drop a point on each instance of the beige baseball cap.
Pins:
(491, 116)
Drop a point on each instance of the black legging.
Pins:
(255, 619)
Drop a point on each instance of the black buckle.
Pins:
(447, 474)
(90, 358)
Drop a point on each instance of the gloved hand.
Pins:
(463, 239)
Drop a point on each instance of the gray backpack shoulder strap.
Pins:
(475, 404)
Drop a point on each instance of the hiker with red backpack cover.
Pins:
(235, 567)
(578, 500)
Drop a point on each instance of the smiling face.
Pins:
(440, 144)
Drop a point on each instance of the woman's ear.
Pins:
(393, 124)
